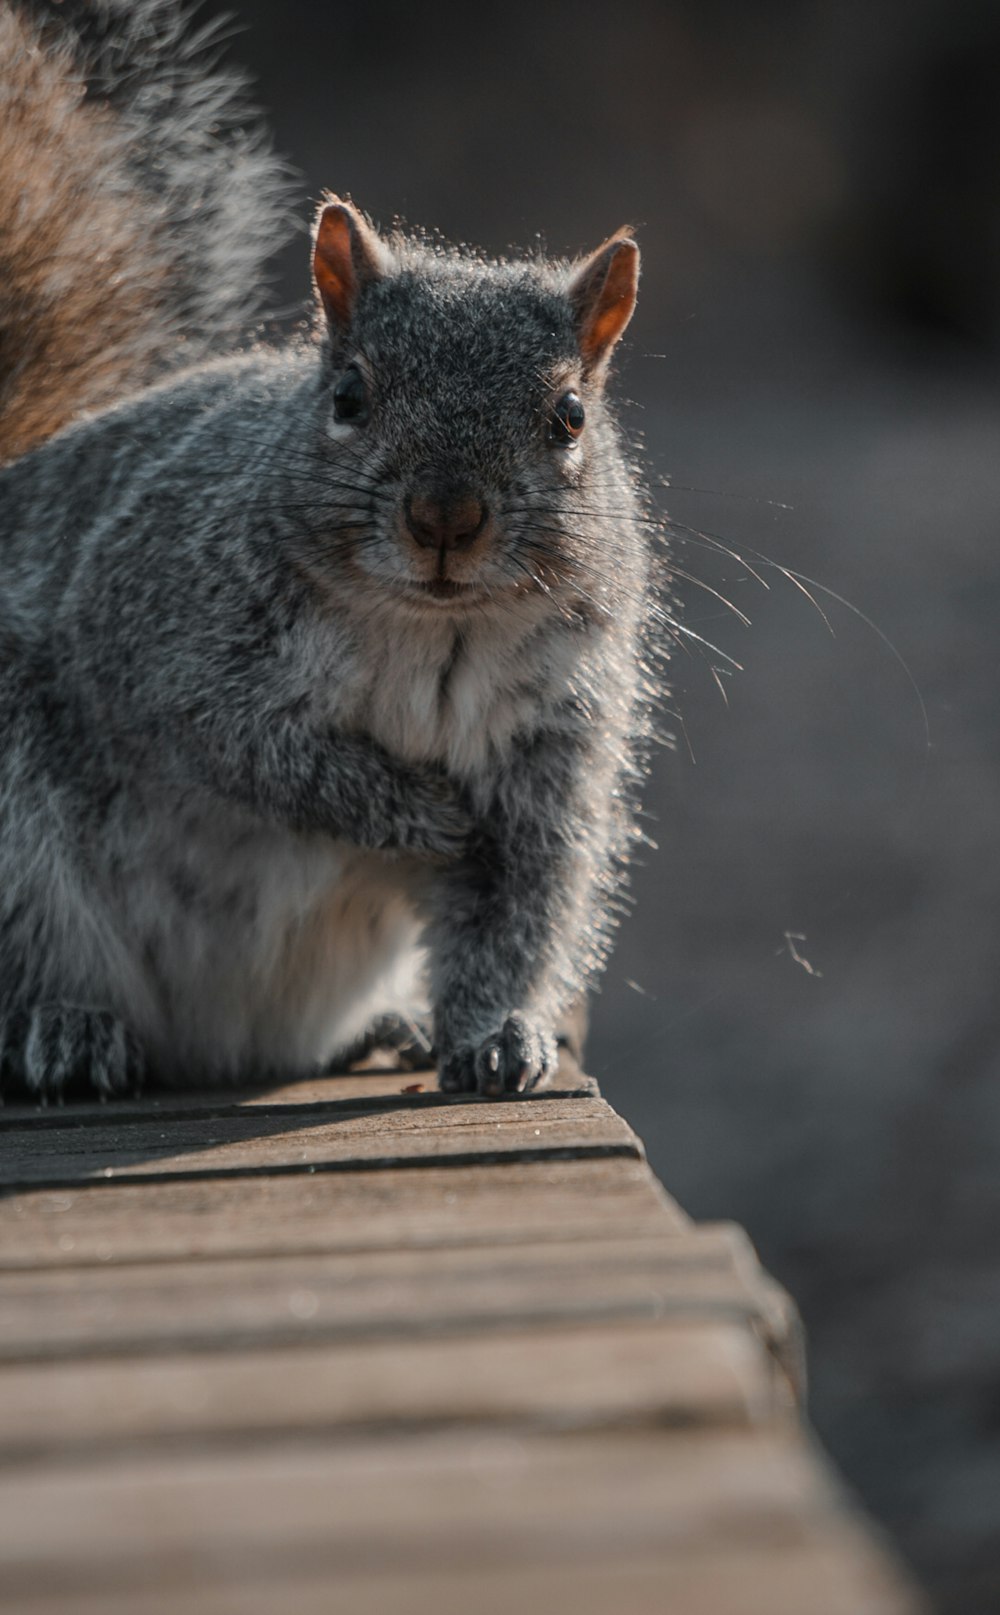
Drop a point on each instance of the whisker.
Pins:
(665, 525)
(724, 493)
(671, 624)
(721, 687)
(675, 571)
(800, 579)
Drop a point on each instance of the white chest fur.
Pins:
(450, 692)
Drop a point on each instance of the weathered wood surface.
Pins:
(348, 1346)
(192, 1306)
(392, 1209)
(332, 1138)
(560, 1378)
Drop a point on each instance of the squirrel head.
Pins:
(467, 397)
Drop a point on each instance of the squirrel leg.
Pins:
(515, 921)
(62, 1051)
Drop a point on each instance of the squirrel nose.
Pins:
(449, 523)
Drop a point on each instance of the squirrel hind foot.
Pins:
(56, 1052)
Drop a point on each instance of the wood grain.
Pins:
(172, 1219)
(559, 1378)
(706, 1274)
(261, 1141)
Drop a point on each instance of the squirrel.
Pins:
(324, 690)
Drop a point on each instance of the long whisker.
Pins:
(665, 525)
(725, 493)
(675, 571)
(671, 528)
(672, 626)
(799, 579)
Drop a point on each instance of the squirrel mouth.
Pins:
(444, 589)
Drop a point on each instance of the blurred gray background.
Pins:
(801, 1018)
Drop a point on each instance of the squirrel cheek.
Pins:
(570, 463)
(339, 431)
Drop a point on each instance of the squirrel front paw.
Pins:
(60, 1051)
(519, 1057)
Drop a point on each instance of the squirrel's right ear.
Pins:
(347, 255)
(603, 292)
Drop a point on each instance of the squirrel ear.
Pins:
(347, 254)
(602, 293)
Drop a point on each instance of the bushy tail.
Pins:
(139, 198)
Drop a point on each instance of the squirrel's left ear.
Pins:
(602, 293)
(347, 255)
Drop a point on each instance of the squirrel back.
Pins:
(139, 198)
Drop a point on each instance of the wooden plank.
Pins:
(261, 1141)
(357, 1088)
(170, 1219)
(732, 1521)
(708, 1273)
(558, 1378)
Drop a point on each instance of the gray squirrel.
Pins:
(322, 693)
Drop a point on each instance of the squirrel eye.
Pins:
(567, 419)
(350, 397)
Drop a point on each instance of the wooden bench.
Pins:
(351, 1345)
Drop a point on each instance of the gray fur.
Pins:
(257, 788)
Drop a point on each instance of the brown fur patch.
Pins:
(79, 274)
